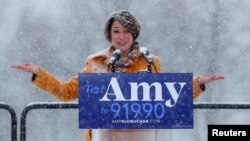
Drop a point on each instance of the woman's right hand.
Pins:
(27, 67)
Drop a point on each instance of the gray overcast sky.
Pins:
(200, 36)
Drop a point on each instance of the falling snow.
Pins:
(201, 37)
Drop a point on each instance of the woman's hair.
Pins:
(126, 19)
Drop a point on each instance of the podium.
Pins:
(133, 107)
(126, 135)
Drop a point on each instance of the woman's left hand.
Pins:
(210, 78)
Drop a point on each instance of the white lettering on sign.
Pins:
(118, 95)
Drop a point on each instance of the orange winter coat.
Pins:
(96, 63)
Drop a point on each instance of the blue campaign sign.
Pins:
(135, 101)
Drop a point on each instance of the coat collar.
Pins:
(106, 54)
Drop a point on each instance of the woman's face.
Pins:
(121, 38)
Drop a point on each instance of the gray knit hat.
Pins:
(126, 19)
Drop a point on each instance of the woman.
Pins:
(121, 30)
